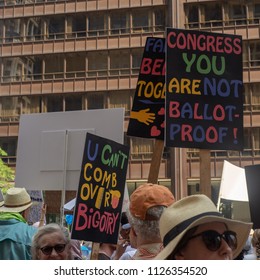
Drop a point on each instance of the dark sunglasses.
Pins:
(47, 250)
(212, 239)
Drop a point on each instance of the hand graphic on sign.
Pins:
(143, 116)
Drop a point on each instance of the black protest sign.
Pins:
(101, 190)
(253, 188)
(204, 102)
(147, 114)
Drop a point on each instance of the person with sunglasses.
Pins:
(193, 229)
(51, 242)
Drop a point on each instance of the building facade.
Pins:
(68, 55)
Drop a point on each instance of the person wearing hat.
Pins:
(193, 229)
(147, 204)
(124, 250)
(15, 234)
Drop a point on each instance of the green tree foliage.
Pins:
(6, 174)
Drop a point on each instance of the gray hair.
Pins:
(47, 229)
(148, 228)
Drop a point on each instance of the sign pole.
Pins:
(63, 191)
(156, 161)
(205, 174)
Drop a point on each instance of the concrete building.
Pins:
(85, 54)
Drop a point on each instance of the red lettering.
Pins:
(186, 132)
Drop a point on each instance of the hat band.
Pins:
(19, 205)
(183, 225)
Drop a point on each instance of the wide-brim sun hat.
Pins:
(192, 211)
(16, 200)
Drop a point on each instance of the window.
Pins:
(255, 53)
(159, 16)
(9, 145)
(141, 148)
(140, 21)
(120, 99)
(97, 64)
(56, 27)
(54, 103)
(119, 23)
(119, 62)
(256, 140)
(73, 102)
(257, 10)
(75, 65)
(213, 15)
(238, 14)
(247, 142)
(95, 101)
(96, 25)
(54, 65)
(136, 60)
(246, 97)
(256, 97)
(193, 16)
(78, 26)
(10, 108)
(31, 104)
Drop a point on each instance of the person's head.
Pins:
(17, 200)
(147, 204)
(193, 229)
(51, 242)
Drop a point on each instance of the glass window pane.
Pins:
(73, 102)
(31, 104)
(140, 21)
(160, 17)
(142, 148)
(54, 103)
(95, 101)
(120, 99)
(119, 23)
(10, 107)
(9, 145)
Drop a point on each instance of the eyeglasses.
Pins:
(212, 239)
(47, 250)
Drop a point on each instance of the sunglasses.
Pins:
(212, 239)
(47, 250)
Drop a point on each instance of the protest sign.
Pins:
(253, 189)
(204, 103)
(147, 115)
(101, 190)
(50, 145)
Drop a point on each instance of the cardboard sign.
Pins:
(52, 144)
(253, 189)
(147, 115)
(204, 102)
(101, 190)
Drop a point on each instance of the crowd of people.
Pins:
(155, 226)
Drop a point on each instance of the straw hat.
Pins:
(147, 196)
(192, 211)
(16, 200)
(1, 199)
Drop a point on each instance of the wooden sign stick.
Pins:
(156, 161)
(205, 174)
(94, 251)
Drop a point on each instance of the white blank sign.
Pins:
(50, 144)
